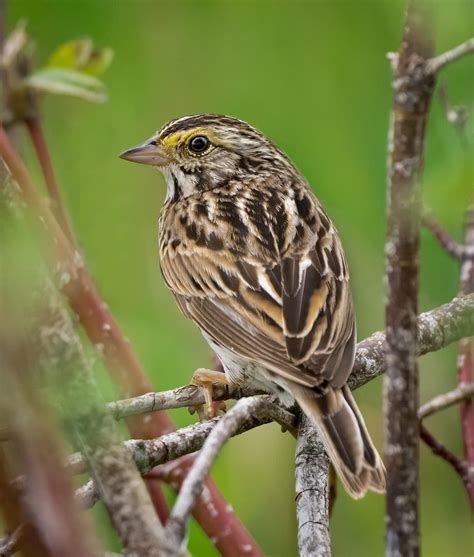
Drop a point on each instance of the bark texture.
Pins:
(312, 493)
(412, 89)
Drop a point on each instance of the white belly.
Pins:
(240, 371)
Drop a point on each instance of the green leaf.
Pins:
(99, 61)
(80, 55)
(71, 55)
(61, 81)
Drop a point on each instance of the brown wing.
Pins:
(282, 301)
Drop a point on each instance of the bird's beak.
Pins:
(146, 153)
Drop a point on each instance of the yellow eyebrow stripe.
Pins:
(178, 138)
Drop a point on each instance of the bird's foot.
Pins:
(204, 378)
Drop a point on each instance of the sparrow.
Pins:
(253, 259)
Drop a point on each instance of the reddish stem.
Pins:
(230, 540)
(42, 153)
(465, 362)
(449, 245)
(443, 452)
(105, 334)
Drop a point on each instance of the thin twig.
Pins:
(42, 153)
(435, 329)
(412, 89)
(440, 402)
(449, 245)
(183, 397)
(9, 545)
(149, 453)
(312, 493)
(434, 65)
(193, 484)
(440, 450)
(465, 363)
(455, 115)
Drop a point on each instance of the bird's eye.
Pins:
(199, 143)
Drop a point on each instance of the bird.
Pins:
(254, 260)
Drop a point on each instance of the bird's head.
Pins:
(205, 151)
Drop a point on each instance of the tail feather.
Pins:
(346, 439)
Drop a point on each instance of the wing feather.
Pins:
(290, 312)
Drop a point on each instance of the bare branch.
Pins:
(460, 466)
(42, 153)
(412, 89)
(434, 65)
(59, 351)
(183, 397)
(435, 330)
(449, 245)
(227, 426)
(312, 493)
(9, 544)
(149, 453)
(465, 364)
(440, 402)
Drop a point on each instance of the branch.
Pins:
(440, 450)
(312, 493)
(412, 89)
(183, 397)
(9, 545)
(449, 245)
(42, 153)
(434, 65)
(191, 489)
(60, 352)
(465, 363)
(149, 453)
(435, 330)
(440, 402)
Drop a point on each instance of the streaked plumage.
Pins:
(253, 259)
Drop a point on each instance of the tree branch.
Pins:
(434, 65)
(312, 493)
(60, 354)
(412, 89)
(449, 245)
(465, 365)
(440, 450)
(440, 402)
(149, 453)
(435, 330)
(191, 489)
(183, 397)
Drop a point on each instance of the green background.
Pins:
(314, 77)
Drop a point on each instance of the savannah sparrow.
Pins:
(253, 259)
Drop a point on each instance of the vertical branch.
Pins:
(93, 430)
(41, 147)
(312, 493)
(465, 361)
(412, 90)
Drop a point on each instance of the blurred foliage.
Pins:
(71, 70)
(313, 76)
